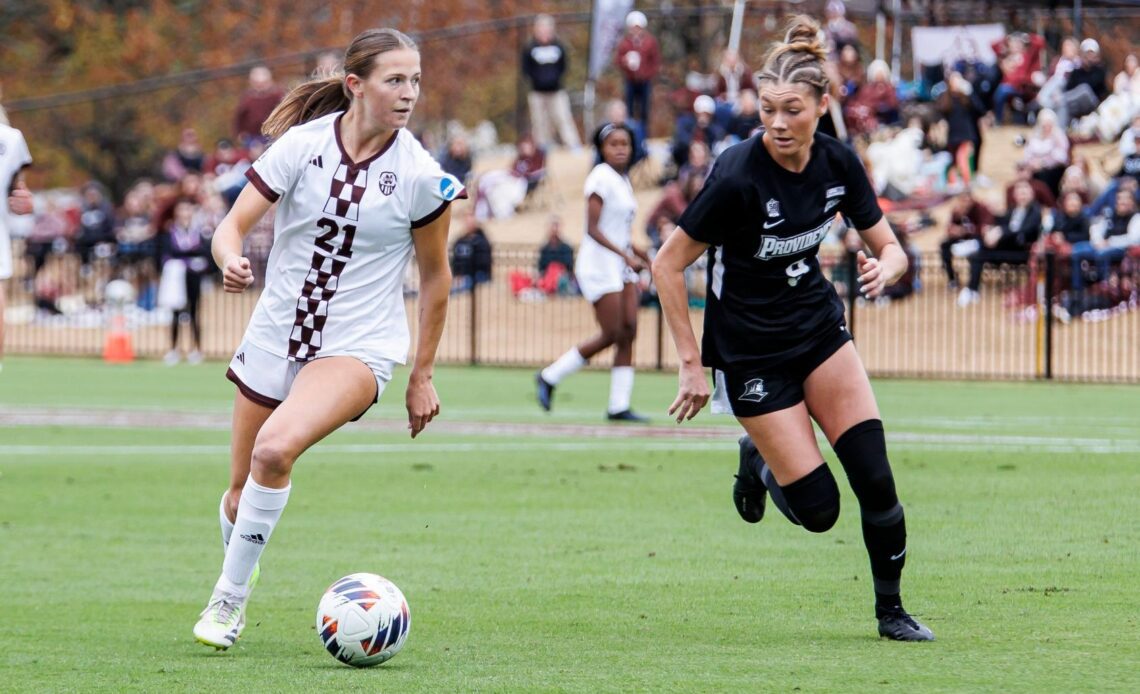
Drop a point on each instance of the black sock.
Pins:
(776, 494)
(885, 602)
(884, 534)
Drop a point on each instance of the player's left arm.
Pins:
(435, 285)
(889, 261)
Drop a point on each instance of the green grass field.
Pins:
(548, 560)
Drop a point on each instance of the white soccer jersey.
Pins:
(14, 156)
(342, 240)
(616, 222)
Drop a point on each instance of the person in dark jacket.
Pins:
(544, 65)
(470, 256)
(962, 108)
(1008, 242)
(1086, 86)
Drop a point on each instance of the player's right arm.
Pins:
(679, 252)
(226, 247)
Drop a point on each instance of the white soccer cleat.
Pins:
(222, 621)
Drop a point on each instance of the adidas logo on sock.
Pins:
(256, 538)
(316, 161)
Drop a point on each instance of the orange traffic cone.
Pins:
(117, 347)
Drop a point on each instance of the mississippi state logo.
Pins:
(754, 391)
(387, 182)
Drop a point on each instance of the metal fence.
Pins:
(1026, 324)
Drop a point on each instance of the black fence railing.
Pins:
(1026, 321)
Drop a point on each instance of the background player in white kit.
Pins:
(14, 158)
(356, 194)
(606, 271)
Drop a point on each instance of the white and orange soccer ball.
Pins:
(363, 620)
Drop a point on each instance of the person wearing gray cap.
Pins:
(1086, 87)
(639, 59)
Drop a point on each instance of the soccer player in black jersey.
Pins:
(774, 330)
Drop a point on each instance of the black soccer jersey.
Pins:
(767, 299)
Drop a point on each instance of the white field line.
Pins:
(897, 441)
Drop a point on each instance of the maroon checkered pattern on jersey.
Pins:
(332, 252)
(348, 186)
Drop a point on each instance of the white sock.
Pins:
(227, 526)
(621, 388)
(258, 512)
(565, 365)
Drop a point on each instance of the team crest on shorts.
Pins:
(754, 391)
(387, 182)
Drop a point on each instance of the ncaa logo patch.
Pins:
(754, 391)
(387, 182)
(448, 187)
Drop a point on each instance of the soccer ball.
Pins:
(363, 620)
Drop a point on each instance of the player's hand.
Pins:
(692, 392)
(872, 279)
(635, 261)
(236, 275)
(20, 201)
(422, 403)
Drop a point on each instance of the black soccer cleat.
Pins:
(543, 391)
(627, 416)
(895, 624)
(749, 494)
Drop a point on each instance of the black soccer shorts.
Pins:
(755, 390)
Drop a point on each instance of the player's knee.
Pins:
(862, 450)
(272, 458)
(814, 499)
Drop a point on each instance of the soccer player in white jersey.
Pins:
(14, 158)
(606, 271)
(356, 195)
(774, 326)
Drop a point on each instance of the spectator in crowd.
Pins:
(184, 251)
(96, 235)
(968, 218)
(745, 116)
(1127, 81)
(850, 70)
(456, 159)
(697, 168)
(675, 197)
(1086, 86)
(1130, 151)
(1069, 232)
(470, 255)
(138, 247)
(875, 104)
(256, 104)
(1019, 56)
(1110, 238)
(840, 31)
(1049, 96)
(961, 107)
(501, 191)
(187, 156)
(1007, 242)
(698, 126)
(1041, 191)
(544, 65)
(732, 77)
(1074, 180)
(639, 59)
(1047, 151)
(616, 112)
(50, 234)
(555, 260)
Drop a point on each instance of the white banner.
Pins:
(606, 27)
(944, 45)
